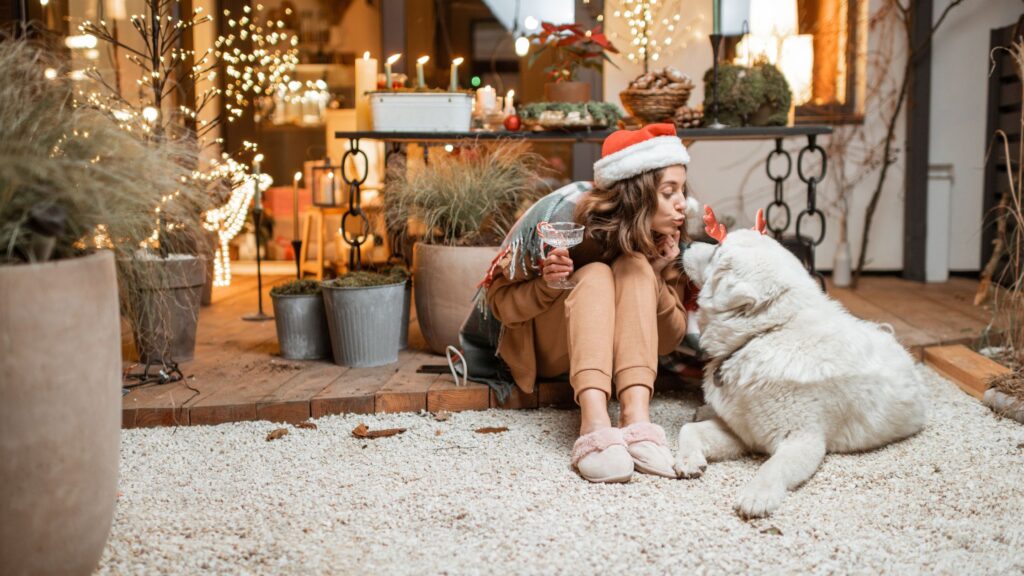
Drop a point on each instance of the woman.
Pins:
(607, 332)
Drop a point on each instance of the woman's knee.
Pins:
(634, 267)
(595, 273)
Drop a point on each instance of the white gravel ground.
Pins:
(224, 500)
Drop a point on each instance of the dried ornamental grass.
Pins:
(467, 198)
(104, 182)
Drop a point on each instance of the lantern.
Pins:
(327, 184)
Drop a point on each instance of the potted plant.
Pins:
(754, 96)
(572, 48)
(79, 196)
(300, 320)
(364, 314)
(465, 202)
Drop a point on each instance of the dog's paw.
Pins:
(691, 465)
(758, 501)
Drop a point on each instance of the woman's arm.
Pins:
(514, 302)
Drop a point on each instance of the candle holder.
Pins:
(716, 44)
(326, 183)
(297, 250)
(257, 217)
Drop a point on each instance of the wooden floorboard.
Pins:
(237, 373)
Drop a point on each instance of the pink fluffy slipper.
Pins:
(601, 456)
(648, 446)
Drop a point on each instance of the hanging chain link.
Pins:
(355, 209)
(779, 202)
(812, 210)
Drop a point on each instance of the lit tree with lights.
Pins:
(256, 56)
(653, 28)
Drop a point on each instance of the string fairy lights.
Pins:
(258, 56)
(655, 29)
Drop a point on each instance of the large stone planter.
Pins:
(166, 329)
(60, 413)
(445, 280)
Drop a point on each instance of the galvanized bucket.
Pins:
(364, 324)
(301, 326)
(403, 328)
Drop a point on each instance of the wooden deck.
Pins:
(237, 375)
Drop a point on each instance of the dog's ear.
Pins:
(733, 295)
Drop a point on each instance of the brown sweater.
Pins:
(515, 303)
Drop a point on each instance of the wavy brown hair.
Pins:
(619, 217)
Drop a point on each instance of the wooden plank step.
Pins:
(555, 394)
(445, 395)
(518, 399)
(406, 390)
(237, 391)
(291, 402)
(353, 392)
(965, 367)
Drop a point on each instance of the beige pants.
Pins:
(604, 330)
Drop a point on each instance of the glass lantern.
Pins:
(327, 184)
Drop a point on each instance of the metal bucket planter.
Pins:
(364, 323)
(60, 413)
(403, 328)
(301, 326)
(166, 327)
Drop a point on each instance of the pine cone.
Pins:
(687, 117)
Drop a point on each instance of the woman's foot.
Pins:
(601, 456)
(647, 445)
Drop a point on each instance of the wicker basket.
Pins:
(654, 105)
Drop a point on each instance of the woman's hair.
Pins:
(619, 217)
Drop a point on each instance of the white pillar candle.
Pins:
(256, 168)
(419, 71)
(366, 81)
(509, 107)
(455, 74)
(295, 205)
(486, 98)
(387, 69)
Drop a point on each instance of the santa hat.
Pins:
(626, 153)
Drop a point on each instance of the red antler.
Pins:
(712, 226)
(759, 222)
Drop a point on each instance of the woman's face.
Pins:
(671, 213)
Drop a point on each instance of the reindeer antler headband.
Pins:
(717, 230)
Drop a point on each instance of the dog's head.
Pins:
(746, 271)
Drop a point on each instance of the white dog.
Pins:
(792, 374)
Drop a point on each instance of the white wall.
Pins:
(730, 175)
(959, 105)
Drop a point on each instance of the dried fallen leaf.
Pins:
(442, 415)
(772, 530)
(277, 434)
(491, 430)
(437, 432)
(306, 425)
(363, 431)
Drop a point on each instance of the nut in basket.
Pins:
(656, 95)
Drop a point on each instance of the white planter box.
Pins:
(421, 112)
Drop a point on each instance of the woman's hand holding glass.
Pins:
(556, 267)
(561, 236)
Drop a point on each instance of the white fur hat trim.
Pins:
(650, 154)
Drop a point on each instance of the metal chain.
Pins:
(778, 179)
(355, 260)
(812, 210)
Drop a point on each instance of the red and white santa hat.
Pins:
(627, 153)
